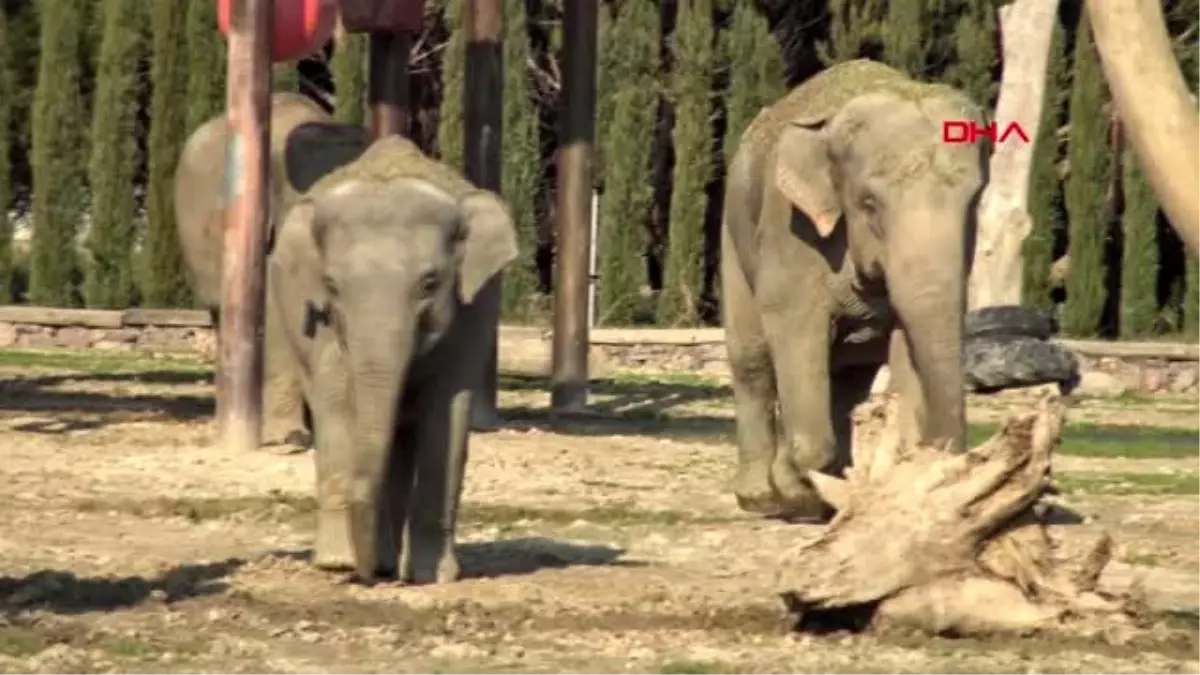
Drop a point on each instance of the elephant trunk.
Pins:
(927, 287)
(379, 365)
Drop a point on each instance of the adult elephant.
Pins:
(306, 144)
(384, 279)
(846, 243)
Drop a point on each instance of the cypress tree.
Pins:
(1086, 191)
(692, 45)
(349, 67)
(852, 24)
(450, 113)
(1046, 208)
(58, 145)
(521, 169)
(975, 52)
(1191, 298)
(607, 57)
(628, 141)
(109, 281)
(903, 33)
(206, 55)
(756, 70)
(165, 284)
(7, 94)
(1139, 257)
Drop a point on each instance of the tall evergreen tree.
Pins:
(608, 52)
(627, 142)
(975, 51)
(904, 41)
(852, 24)
(683, 277)
(349, 67)
(1046, 208)
(756, 70)
(521, 168)
(1087, 189)
(1139, 258)
(109, 281)
(450, 114)
(58, 160)
(1191, 298)
(166, 283)
(206, 55)
(7, 94)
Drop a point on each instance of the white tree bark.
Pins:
(1151, 96)
(1025, 30)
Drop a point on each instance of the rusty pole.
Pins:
(483, 106)
(387, 82)
(570, 348)
(243, 281)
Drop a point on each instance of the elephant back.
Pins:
(395, 157)
(821, 96)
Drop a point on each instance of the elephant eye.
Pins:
(429, 283)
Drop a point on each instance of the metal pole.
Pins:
(243, 281)
(570, 349)
(483, 107)
(593, 274)
(387, 82)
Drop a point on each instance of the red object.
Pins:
(388, 16)
(301, 26)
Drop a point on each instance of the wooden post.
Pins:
(570, 348)
(387, 82)
(483, 107)
(243, 282)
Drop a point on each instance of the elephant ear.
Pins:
(489, 241)
(803, 173)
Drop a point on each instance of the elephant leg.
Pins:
(393, 546)
(334, 457)
(851, 386)
(800, 350)
(754, 394)
(441, 457)
(283, 394)
(911, 407)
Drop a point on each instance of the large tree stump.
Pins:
(951, 544)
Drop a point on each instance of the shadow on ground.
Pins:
(527, 555)
(37, 394)
(65, 593)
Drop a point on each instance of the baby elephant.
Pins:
(384, 279)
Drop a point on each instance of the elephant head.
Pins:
(879, 168)
(388, 267)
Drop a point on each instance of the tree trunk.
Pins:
(1025, 29)
(1151, 96)
(948, 544)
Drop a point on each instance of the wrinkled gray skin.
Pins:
(845, 244)
(387, 293)
(305, 145)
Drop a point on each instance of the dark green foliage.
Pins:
(58, 154)
(349, 69)
(607, 56)
(165, 284)
(285, 77)
(1191, 299)
(691, 90)
(109, 280)
(756, 70)
(7, 93)
(852, 24)
(1087, 187)
(903, 31)
(976, 52)
(1139, 260)
(521, 170)
(1046, 208)
(206, 55)
(450, 114)
(627, 140)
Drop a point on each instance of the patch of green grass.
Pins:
(503, 514)
(21, 641)
(1129, 483)
(694, 667)
(1097, 440)
(99, 362)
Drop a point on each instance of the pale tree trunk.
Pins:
(1025, 30)
(1160, 116)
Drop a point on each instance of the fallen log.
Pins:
(948, 544)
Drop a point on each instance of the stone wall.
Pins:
(528, 350)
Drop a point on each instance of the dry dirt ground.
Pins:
(606, 543)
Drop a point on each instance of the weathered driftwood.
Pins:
(948, 544)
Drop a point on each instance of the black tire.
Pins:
(993, 364)
(1008, 320)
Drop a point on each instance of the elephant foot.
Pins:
(485, 418)
(752, 488)
(333, 550)
(798, 500)
(441, 570)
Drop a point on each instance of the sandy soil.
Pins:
(602, 544)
